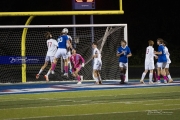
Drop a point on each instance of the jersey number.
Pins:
(49, 44)
(147, 52)
(60, 39)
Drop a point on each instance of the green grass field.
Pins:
(159, 103)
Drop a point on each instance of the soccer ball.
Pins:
(65, 30)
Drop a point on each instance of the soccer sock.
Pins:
(143, 76)
(122, 77)
(154, 76)
(169, 76)
(53, 66)
(99, 77)
(150, 77)
(78, 78)
(159, 77)
(70, 66)
(165, 78)
(95, 78)
(66, 69)
(48, 72)
(40, 71)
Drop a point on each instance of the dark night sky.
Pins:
(146, 19)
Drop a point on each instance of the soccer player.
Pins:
(97, 63)
(63, 43)
(123, 53)
(77, 62)
(162, 60)
(168, 62)
(52, 48)
(149, 62)
(69, 54)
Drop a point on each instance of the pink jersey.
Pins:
(76, 60)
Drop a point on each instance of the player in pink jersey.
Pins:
(77, 61)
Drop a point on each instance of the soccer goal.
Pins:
(108, 37)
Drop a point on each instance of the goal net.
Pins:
(108, 37)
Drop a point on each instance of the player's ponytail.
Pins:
(47, 35)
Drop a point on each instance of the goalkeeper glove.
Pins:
(82, 65)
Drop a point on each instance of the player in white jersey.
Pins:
(69, 54)
(52, 48)
(97, 64)
(168, 62)
(149, 62)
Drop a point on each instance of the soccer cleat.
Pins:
(122, 82)
(96, 83)
(158, 82)
(52, 72)
(79, 83)
(46, 77)
(37, 76)
(142, 81)
(100, 82)
(151, 82)
(165, 81)
(70, 70)
(66, 74)
(170, 81)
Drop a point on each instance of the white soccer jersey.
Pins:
(167, 55)
(149, 54)
(97, 52)
(69, 37)
(52, 47)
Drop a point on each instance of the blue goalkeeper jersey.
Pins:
(62, 40)
(123, 58)
(162, 57)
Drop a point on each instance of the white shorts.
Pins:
(161, 65)
(167, 65)
(49, 59)
(97, 65)
(69, 54)
(123, 65)
(61, 53)
(149, 66)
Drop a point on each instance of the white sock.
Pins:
(143, 76)
(95, 78)
(99, 77)
(70, 66)
(40, 71)
(48, 73)
(169, 77)
(150, 77)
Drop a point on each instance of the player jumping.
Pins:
(123, 53)
(168, 62)
(63, 43)
(77, 62)
(97, 64)
(162, 60)
(149, 62)
(52, 48)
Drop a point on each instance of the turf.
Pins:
(159, 103)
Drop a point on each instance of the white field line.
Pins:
(39, 117)
(4, 100)
(172, 105)
(90, 103)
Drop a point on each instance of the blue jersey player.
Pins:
(162, 60)
(63, 43)
(123, 53)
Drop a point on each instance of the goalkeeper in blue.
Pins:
(123, 53)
